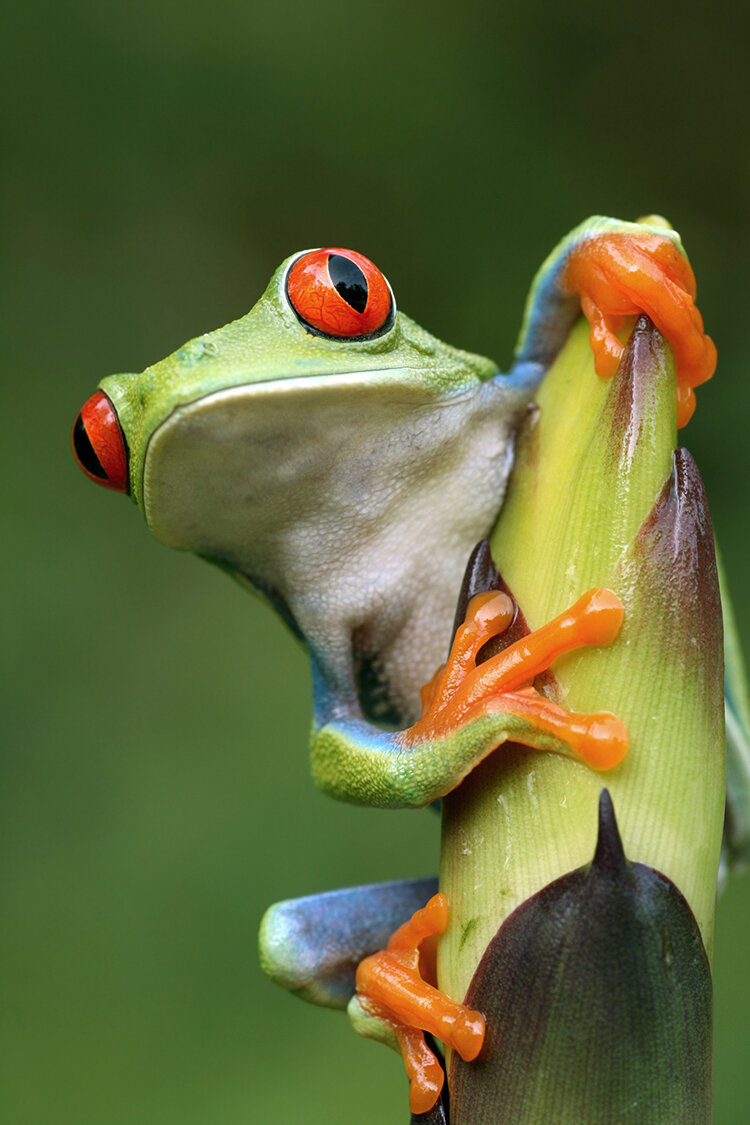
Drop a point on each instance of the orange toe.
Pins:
(623, 274)
(464, 690)
(390, 985)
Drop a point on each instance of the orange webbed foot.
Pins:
(392, 985)
(464, 690)
(621, 274)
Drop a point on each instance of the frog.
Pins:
(342, 463)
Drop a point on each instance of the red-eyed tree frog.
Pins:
(342, 462)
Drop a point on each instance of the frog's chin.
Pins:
(223, 472)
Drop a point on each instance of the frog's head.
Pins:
(322, 372)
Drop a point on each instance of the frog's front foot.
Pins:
(473, 705)
(620, 274)
(396, 1000)
(465, 690)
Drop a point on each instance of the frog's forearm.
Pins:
(470, 709)
(552, 306)
(355, 762)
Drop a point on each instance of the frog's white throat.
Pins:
(360, 509)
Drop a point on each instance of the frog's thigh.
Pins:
(312, 945)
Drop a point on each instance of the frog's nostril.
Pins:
(99, 444)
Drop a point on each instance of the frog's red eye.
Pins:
(99, 444)
(340, 293)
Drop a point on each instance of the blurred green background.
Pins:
(159, 160)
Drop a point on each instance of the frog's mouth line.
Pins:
(251, 454)
(408, 390)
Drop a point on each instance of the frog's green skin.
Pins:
(347, 481)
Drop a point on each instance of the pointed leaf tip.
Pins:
(641, 404)
(677, 579)
(609, 857)
(480, 575)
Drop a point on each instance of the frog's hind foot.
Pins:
(397, 1003)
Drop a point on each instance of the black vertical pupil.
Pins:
(85, 450)
(348, 281)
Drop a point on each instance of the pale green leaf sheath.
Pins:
(597, 995)
(599, 497)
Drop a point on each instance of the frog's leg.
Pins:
(313, 945)
(471, 708)
(612, 270)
